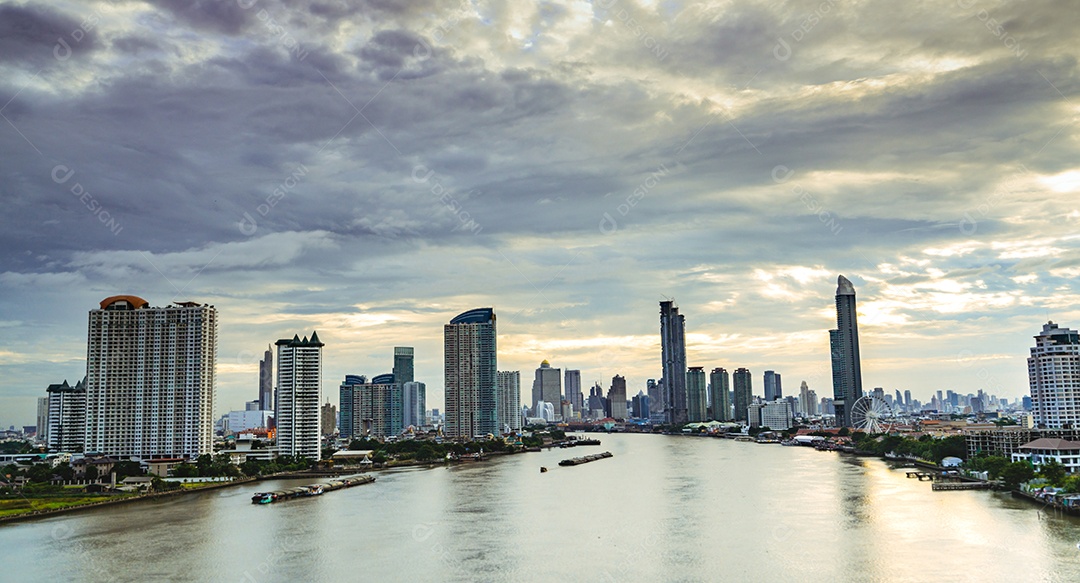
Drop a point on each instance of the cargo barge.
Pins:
(311, 490)
(584, 460)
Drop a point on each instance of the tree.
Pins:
(186, 470)
(1016, 473)
(91, 473)
(127, 468)
(65, 471)
(40, 473)
(1053, 472)
(844, 432)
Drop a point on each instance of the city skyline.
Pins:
(722, 154)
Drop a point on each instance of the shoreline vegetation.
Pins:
(42, 500)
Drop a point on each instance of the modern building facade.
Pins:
(469, 344)
(808, 400)
(42, 427)
(720, 394)
(617, 397)
(696, 397)
(509, 384)
(673, 356)
(547, 387)
(846, 362)
(346, 397)
(65, 422)
(744, 394)
(299, 396)
(1054, 377)
(150, 378)
(776, 415)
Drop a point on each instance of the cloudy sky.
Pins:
(372, 168)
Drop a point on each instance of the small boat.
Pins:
(542, 469)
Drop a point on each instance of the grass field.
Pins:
(16, 506)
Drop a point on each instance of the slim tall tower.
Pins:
(299, 394)
(846, 365)
(150, 379)
(673, 354)
(572, 386)
(617, 397)
(773, 391)
(469, 351)
(266, 381)
(1054, 376)
(720, 401)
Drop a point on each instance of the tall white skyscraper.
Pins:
(1054, 375)
(469, 364)
(65, 422)
(150, 379)
(299, 396)
(509, 382)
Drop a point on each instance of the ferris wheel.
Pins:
(871, 415)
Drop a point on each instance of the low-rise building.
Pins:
(1041, 451)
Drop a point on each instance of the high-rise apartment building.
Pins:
(720, 394)
(744, 393)
(346, 395)
(696, 397)
(1054, 377)
(844, 344)
(509, 384)
(42, 426)
(547, 387)
(673, 355)
(808, 400)
(776, 415)
(656, 398)
(403, 364)
(617, 397)
(469, 344)
(328, 419)
(150, 376)
(65, 423)
(299, 395)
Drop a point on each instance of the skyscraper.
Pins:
(43, 419)
(266, 381)
(414, 403)
(329, 419)
(66, 417)
(509, 383)
(547, 388)
(299, 394)
(150, 379)
(696, 397)
(1054, 376)
(673, 354)
(846, 364)
(744, 393)
(346, 393)
(572, 386)
(403, 364)
(773, 391)
(639, 406)
(469, 348)
(808, 400)
(656, 397)
(617, 397)
(378, 407)
(720, 394)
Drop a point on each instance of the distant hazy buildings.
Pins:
(469, 348)
(655, 391)
(844, 344)
(639, 406)
(329, 419)
(773, 390)
(299, 378)
(744, 394)
(617, 397)
(673, 354)
(547, 388)
(509, 384)
(1054, 376)
(65, 423)
(150, 376)
(696, 397)
(808, 400)
(720, 394)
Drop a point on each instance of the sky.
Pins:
(371, 168)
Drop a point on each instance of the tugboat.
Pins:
(262, 498)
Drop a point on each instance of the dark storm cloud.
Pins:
(224, 16)
(38, 36)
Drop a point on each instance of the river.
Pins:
(664, 508)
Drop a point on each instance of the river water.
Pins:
(665, 508)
